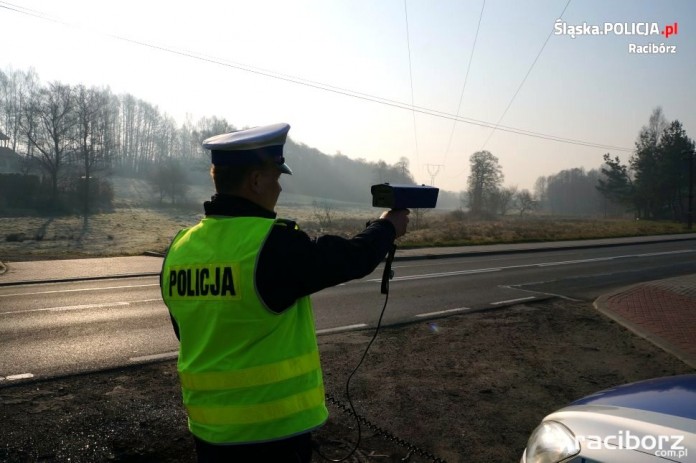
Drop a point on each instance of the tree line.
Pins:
(657, 182)
(654, 184)
(78, 135)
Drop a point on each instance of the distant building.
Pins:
(4, 139)
(10, 162)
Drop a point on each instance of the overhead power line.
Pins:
(326, 87)
(524, 79)
(466, 78)
(410, 76)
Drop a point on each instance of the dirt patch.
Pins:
(465, 388)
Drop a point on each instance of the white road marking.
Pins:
(531, 283)
(163, 356)
(342, 328)
(443, 274)
(21, 376)
(410, 277)
(678, 251)
(578, 261)
(543, 264)
(510, 301)
(517, 287)
(83, 306)
(442, 312)
(79, 290)
(602, 259)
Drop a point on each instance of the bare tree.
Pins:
(381, 172)
(418, 218)
(525, 201)
(656, 124)
(207, 127)
(484, 180)
(541, 191)
(49, 121)
(506, 198)
(168, 178)
(127, 136)
(188, 144)
(15, 90)
(463, 200)
(403, 167)
(91, 134)
(323, 212)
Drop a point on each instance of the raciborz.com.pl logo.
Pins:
(666, 446)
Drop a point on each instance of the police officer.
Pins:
(237, 286)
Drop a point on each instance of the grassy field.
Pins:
(442, 231)
(135, 230)
(139, 224)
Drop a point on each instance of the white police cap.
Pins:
(250, 146)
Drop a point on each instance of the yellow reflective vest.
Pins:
(247, 374)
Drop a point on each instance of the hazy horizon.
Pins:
(587, 88)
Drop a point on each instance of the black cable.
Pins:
(412, 448)
(387, 275)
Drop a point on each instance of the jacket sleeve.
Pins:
(292, 265)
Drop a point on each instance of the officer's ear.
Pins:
(257, 180)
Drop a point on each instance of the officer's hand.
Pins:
(398, 218)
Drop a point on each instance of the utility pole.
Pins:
(433, 170)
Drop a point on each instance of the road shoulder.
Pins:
(452, 386)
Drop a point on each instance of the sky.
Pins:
(385, 79)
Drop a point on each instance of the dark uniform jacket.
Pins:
(292, 265)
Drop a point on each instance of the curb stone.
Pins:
(603, 305)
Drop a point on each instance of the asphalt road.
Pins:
(61, 328)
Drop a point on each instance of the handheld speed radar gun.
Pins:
(401, 197)
(404, 196)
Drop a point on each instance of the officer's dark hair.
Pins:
(229, 179)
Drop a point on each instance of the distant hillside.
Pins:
(316, 176)
(340, 178)
(140, 142)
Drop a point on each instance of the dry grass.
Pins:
(121, 233)
(138, 225)
(135, 230)
(443, 232)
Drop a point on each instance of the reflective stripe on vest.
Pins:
(253, 376)
(257, 413)
(247, 374)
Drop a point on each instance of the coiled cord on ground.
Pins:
(412, 448)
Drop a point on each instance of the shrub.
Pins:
(15, 237)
